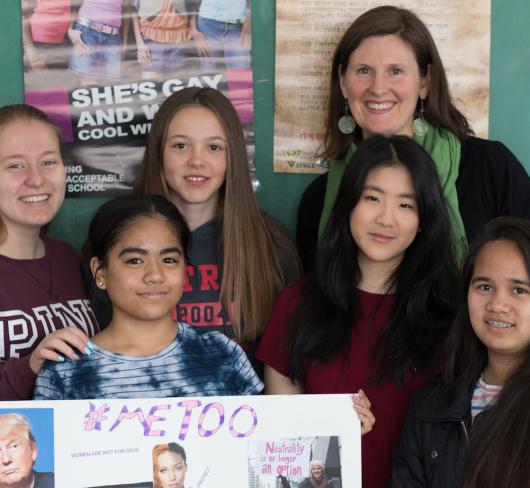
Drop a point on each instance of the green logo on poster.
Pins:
(289, 154)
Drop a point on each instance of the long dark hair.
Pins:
(439, 109)
(497, 453)
(110, 221)
(425, 282)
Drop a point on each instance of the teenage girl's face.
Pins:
(32, 174)
(171, 470)
(195, 158)
(382, 84)
(144, 274)
(385, 220)
(499, 300)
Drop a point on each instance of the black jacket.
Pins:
(491, 183)
(434, 438)
(43, 480)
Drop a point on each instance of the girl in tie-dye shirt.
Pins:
(135, 252)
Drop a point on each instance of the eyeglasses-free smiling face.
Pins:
(385, 221)
(499, 300)
(195, 159)
(317, 472)
(32, 174)
(171, 470)
(17, 455)
(144, 272)
(382, 84)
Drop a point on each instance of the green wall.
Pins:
(280, 193)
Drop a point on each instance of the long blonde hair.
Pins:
(252, 275)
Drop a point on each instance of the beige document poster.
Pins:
(306, 34)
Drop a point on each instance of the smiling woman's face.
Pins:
(382, 84)
(171, 470)
(316, 472)
(32, 175)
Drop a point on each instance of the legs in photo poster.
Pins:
(163, 37)
(224, 39)
(120, 60)
(96, 54)
(46, 47)
(97, 41)
(222, 34)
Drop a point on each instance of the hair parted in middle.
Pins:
(109, 222)
(161, 449)
(439, 109)
(252, 274)
(425, 283)
(27, 113)
(497, 452)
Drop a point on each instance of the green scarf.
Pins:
(444, 148)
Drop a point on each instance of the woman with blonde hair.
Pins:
(44, 310)
(240, 259)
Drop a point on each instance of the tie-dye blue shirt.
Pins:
(196, 363)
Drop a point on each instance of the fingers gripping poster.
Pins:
(240, 442)
(101, 68)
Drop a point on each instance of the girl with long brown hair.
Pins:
(240, 259)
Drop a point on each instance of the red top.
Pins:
(348, 375)
(37, 297)
(50, 21)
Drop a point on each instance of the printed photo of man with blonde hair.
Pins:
(18, 452)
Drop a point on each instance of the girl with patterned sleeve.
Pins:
(135, 252)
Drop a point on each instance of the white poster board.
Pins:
(241, 442)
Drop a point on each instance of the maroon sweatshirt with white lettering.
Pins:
(37, 297)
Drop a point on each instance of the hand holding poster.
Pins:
(247, 442)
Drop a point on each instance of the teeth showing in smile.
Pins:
(499, 325)
(34, 198)
(195, 178)
(380, 106)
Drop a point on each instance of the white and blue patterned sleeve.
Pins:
(46, 386)
(245, 378)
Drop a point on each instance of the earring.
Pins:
(346, 122)
(100, 284)
(419, 124)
